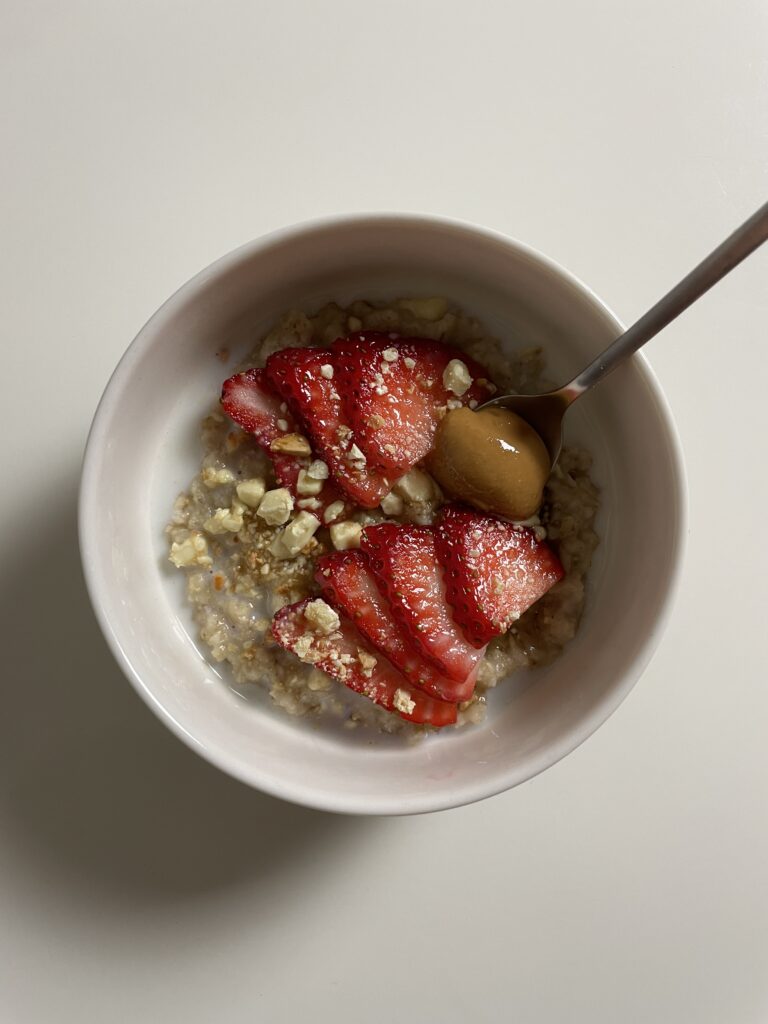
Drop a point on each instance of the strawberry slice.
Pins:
(254, 405)
(394, 394)
(494, 571)
(350, 586)
(339, 655)
(404, 561)
(306, 378)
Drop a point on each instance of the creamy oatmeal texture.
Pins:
(248, 550)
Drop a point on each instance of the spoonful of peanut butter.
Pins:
(493, 459)
(499, 457)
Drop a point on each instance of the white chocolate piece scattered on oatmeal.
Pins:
(250, 492)
(276, 506)
(308, 485)
(456, 378)
(392, 504)
(318, 470)
(346, 535)
(334, 510)
(299, 532)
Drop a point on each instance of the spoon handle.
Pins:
(721, 261)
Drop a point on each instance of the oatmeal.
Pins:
(250, 541)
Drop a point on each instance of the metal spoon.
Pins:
(545, 412)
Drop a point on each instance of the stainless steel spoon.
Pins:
(545, 412)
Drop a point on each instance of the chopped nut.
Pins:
(456, 377)
(250, 492)
(191, 551)
(392, 504)
(307, 484)
(282, 424)
(216, 477)
(311, 503)
(225, 520)
(291, 444)
(276, 506)
(326, 370)
(334, 510)
(376, 422)
(346, 535)
(299, 532)
(403, 702)
(390, 354)
(410, 363)
(323, 619)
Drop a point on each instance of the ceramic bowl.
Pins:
(143, 450)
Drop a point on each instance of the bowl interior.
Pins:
(144, 449)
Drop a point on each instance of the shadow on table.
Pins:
(92, 786)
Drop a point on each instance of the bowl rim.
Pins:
(307, 796)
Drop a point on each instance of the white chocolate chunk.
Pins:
(307, 484)
(456, 377)
(276, 506)
(250, 492)
(346, 535)
(299, 532)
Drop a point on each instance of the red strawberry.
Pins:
(350, 586)
(394, 394)
(300, 375)
(494, 571)
(404, 560)
(340, 656)
(251, 402)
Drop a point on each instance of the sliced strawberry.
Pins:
(394, 394)
(494, 571)
(299, 375)
(350, 586)
(339, 656)
(404, 561)
(250, 400)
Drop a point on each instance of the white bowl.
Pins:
(143, 450)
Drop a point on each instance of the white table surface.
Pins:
(140, 141)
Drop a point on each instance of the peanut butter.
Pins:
(491, 459)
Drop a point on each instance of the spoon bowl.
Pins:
(543, 412)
